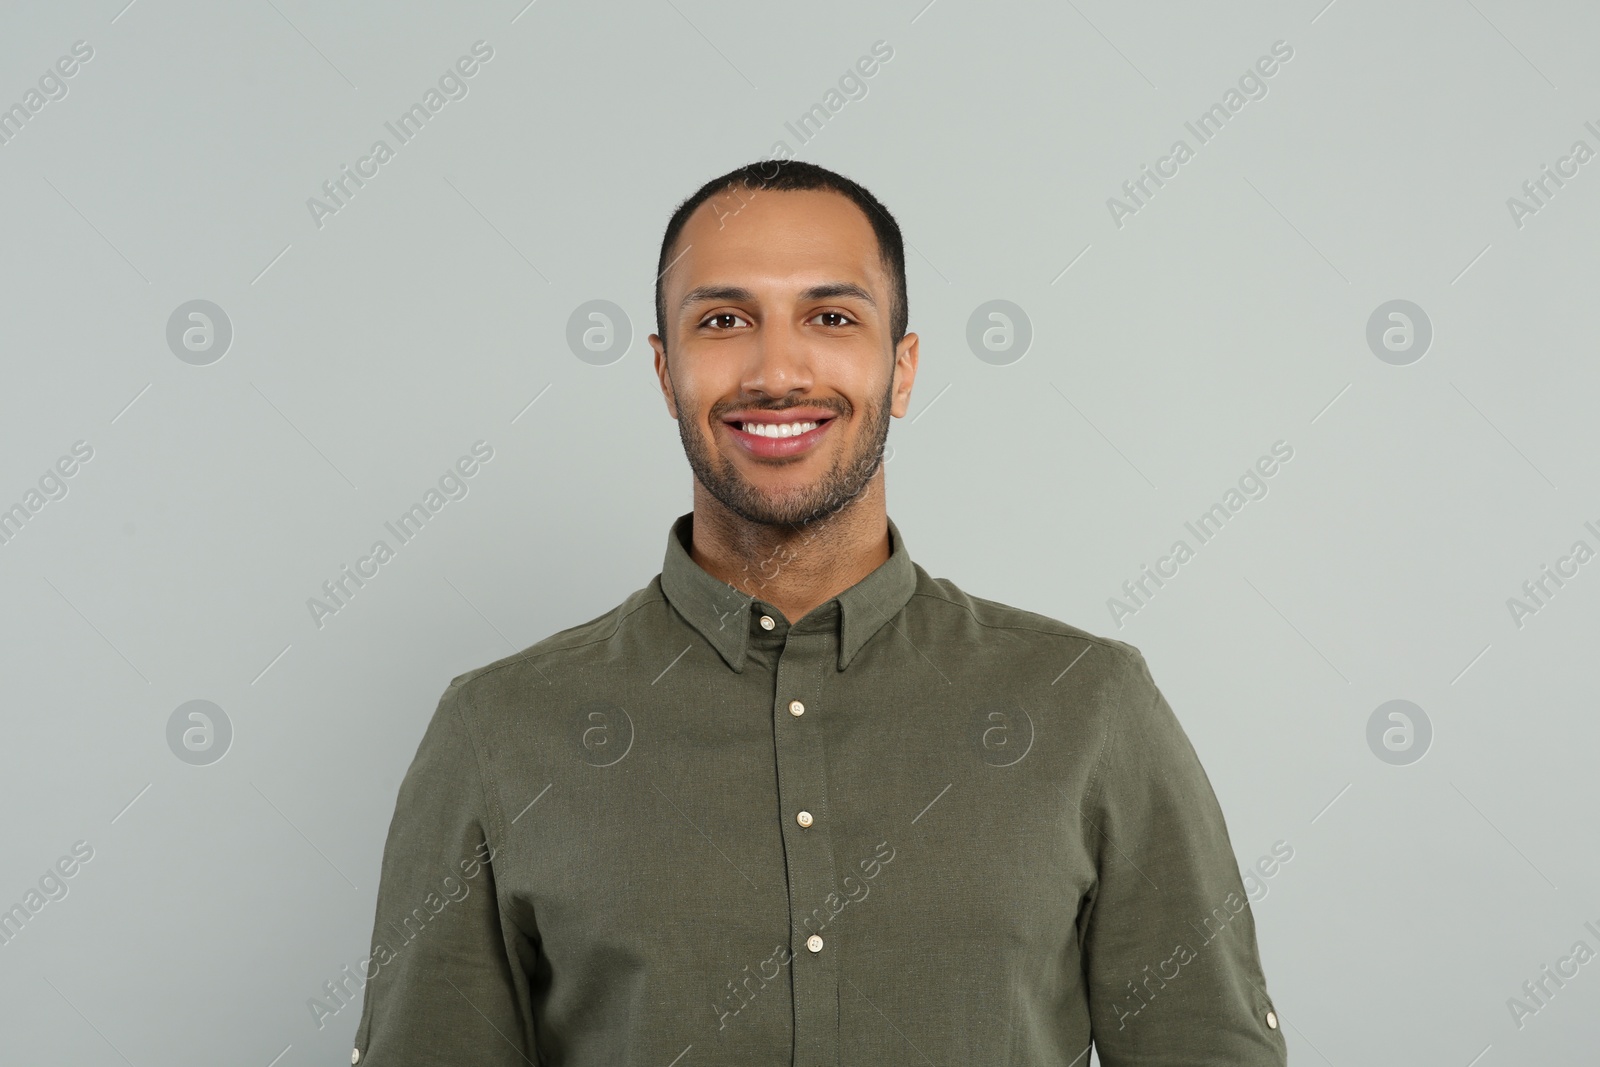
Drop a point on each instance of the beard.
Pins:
(841, 484)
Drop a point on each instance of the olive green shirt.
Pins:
(914, 827)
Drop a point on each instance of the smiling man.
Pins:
(796, 801)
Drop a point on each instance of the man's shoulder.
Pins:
(1103, 678)
(992, 619)
(582, 646)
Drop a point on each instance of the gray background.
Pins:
(1168, 354)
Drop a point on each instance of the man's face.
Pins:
(777, 315)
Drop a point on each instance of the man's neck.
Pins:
(793, 569)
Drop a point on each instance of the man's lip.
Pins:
(763, 447)
(786, 415)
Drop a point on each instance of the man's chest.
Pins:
(712, 828)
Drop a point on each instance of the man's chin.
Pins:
(797, 506)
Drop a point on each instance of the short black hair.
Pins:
(794, 175)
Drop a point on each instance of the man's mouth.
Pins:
(777, 434)
(778, 429)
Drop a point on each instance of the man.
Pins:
(795, 801)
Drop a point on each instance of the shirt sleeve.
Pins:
(443, 983)
(1169, 943)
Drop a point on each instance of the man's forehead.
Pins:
(788, 239)
(773, 206)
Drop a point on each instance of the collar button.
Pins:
(767, 623)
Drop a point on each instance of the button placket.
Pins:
(808, 849)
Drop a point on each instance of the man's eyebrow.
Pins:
(834, 289)
(731, 293)
(739, 295)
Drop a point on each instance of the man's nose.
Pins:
(781, 359)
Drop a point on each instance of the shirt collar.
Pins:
(723, 615)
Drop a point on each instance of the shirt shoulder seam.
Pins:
(485, 778)
(1095, 785)
(483, 672)
(1112, 644)
(487, 789)
(1128, 655)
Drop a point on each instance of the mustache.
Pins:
(837, 410)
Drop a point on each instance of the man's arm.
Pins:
(1170, 957)
(443, 982)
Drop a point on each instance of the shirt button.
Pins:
(355, 1055)
(767, 623)
(796, 708)
(804, 818)
(1272, 1019)
(814, 943)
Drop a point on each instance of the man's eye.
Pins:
(844, 319)
(718, 319)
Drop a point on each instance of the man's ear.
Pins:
(663, 378)
(905, 372)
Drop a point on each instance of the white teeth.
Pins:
(778, 429)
